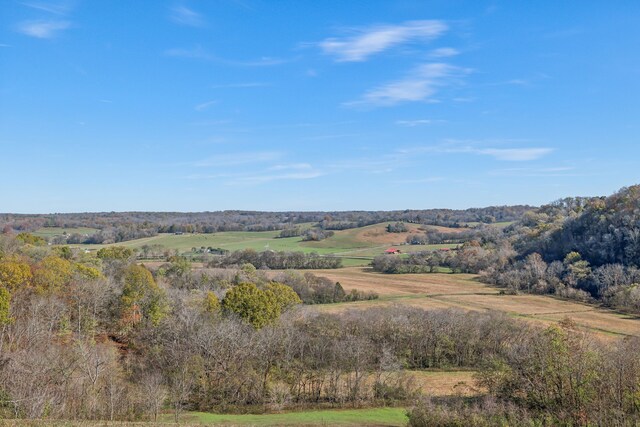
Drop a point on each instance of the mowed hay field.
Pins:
(464, 291)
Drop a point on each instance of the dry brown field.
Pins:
(447, 383)
(377, 234)
(464, 291)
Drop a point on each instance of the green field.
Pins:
(347, 417)
(356, 246)
(331, 417)
(49, 232)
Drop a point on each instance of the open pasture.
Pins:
(50, 232)
(356, 246)
(329, 417)
(464, 291)
(337, 417)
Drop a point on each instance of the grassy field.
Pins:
(356, 246)
(433, 383)
(334, 417)
(49, 232)
(331, 417)
(464, 291)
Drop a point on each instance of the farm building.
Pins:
(391, 251)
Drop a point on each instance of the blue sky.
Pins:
(314, 105)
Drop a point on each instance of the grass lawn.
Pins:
(341, 417)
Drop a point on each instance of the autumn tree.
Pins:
(30, 239)
(52, 274)
(141, 297)
(63, 252)
(281, 296)
(115, 253)
(251, 304)
(211, 302)
(257, 307)
(14, 273)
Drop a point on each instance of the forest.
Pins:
(586, 249)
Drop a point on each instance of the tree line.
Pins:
(276, 260)
(121, 226)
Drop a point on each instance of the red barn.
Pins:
(392, 251)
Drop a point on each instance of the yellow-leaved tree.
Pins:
(52, 274)
(141, 298)
(259, 307)
(14, 273)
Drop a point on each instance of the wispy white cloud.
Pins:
(60, 8)
(184, 16)
(444, 52)
(211, 122)
(537, 172)
(244, 5)
(264, 61)
(278, 172)
(420, 85)
(291, 166)
(375, 39)
(419, 122)
(379, 164)
(516, 154)
(518, 82)
(521, 81)
(235, 159)
(43, 29)
(205, 105)
(502, 154)
(268, 177)
(199, 53)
